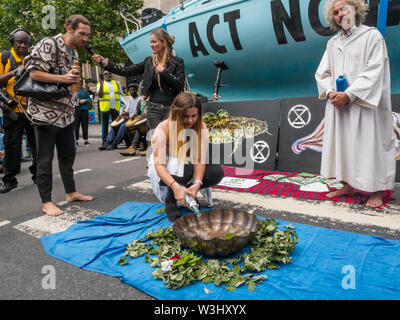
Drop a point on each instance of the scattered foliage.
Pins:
(270, 248)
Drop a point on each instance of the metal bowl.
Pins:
(218, 232)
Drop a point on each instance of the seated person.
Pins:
(177, 165)
(117, 134)
(138, 135)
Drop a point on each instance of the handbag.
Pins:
(25, 86)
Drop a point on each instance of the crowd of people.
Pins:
(358, 146)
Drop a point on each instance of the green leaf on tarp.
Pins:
(306, 175)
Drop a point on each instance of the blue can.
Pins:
(341, 84)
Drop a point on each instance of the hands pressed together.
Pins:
(338, 99)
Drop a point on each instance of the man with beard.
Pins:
(15, 121)
(55, 118)
(359, 142)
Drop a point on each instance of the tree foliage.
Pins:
(104, 15)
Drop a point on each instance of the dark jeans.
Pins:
(48, 136)
(13, 132)
(116, 135)
(212, 176)
(82, 119)
(105, 116)
(156, 113)
(137, 139)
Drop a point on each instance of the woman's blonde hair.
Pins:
(360, 7)
(177, 133)
(168, 41)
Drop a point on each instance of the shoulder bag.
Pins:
(25, 86)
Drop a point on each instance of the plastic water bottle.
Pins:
(192, 205)
(341, 83)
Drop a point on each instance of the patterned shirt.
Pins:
(58, 112)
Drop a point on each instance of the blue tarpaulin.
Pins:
(327, 263)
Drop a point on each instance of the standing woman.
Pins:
(163, 75)
(82, 114)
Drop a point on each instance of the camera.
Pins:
(4, 98)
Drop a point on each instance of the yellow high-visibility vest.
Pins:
(105, 103)
(10, 84)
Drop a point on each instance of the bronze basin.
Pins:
(218, 232)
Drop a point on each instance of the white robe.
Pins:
(359, 141)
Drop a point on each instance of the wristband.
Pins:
(198, 181)
(172, 184)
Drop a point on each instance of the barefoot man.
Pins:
(359, 143)
(55, 118)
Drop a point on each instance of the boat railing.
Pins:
(129, 17)
(186, 4)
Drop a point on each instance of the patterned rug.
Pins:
(288, 189)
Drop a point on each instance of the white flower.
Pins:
(166, 266)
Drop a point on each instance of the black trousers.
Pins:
(155, 114)
(138, 138)
(82, 119)
(13, 132)
(105, 116)
(212, 176)
(48, 137)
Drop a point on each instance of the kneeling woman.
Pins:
(178, 163)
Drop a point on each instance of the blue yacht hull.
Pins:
(271, 48)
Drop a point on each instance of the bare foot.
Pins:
(76, 196)
(50, 209)
(345, 190)
(375, 199)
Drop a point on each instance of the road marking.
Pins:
(5, 222)
(127, 160)
(17, 188)
(82, 171)
(110, 187)
(389, 217)
(45, 225)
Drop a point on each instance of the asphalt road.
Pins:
(24, 264)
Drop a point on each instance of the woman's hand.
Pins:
(194, 189)
(98, 58)
(179, 193)
(160, 68)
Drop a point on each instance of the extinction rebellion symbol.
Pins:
(299, 116)
(260, 152)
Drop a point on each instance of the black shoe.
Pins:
(7, 187)
(103, 146)
(112, 146)
(173, 212)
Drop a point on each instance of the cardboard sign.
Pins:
(240, 183)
